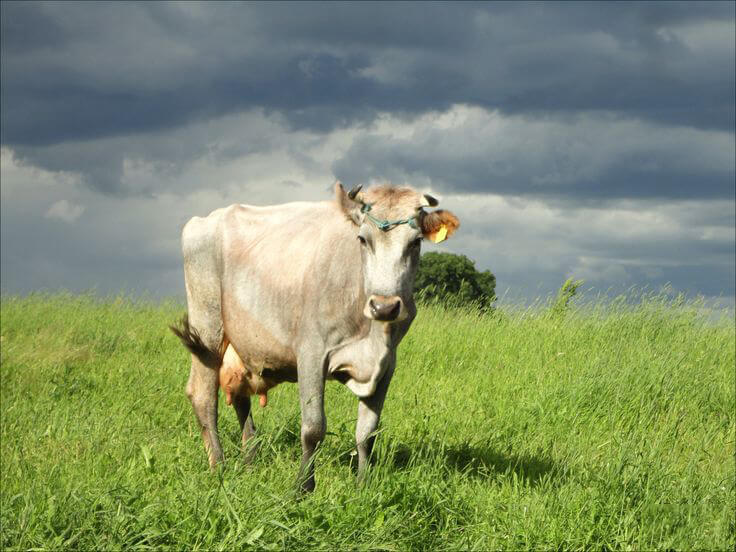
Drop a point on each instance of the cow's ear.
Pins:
(439, 225)
(350, 205)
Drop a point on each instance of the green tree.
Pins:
(451, 277)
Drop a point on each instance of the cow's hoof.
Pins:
(250, 451)
(306, 486)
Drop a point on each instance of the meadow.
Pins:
(608, 426)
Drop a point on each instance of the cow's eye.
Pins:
(362, 241)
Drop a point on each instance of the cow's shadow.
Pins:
(473, 460)
(476, 461)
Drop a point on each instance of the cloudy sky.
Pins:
(586, 140)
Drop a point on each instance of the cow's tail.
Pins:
(193, 341)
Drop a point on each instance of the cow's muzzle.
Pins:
(385, 309)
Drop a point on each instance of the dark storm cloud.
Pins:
(580, 159)
(645, 243)
(80, 71)
(92, 241)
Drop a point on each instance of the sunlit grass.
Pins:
(608, 425)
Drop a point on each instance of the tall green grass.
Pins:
(611, 426)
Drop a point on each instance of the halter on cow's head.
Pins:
(391, 224)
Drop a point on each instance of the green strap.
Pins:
(386, 225)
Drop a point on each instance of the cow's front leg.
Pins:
(247, 427)
(314, 426)
(369, 414)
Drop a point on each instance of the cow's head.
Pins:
(390, 224)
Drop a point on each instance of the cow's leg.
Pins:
(204, 338)
(202, 392)
(247, 427)
(314, 426)
(203, 334)
(369, 414)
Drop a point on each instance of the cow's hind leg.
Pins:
(202, 392)
(202, 332)
(204, 341)
(247, 427)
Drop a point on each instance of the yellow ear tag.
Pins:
(440, 235)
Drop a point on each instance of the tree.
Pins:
(454, 277)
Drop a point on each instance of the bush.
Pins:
(454, 279)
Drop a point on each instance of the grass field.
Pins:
(613, 426)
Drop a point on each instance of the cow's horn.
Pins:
(429, 201)
(354, 192)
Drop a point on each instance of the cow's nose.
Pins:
(385, 309)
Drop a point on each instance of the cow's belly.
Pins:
(258, 346)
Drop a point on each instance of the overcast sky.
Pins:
(586, 140)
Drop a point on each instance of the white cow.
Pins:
(305, 292)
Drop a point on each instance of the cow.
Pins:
(304, 292)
